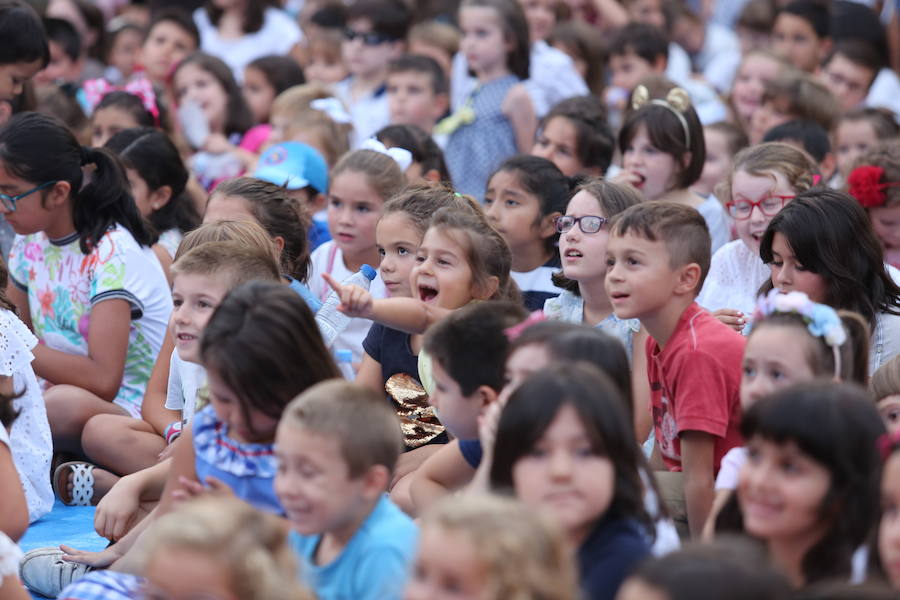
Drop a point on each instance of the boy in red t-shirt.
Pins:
(658, 255)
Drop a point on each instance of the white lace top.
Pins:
(30, 441)
(735, 276)
(9, 556)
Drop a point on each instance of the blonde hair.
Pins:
(381, 171)
(762, 160)
(294, 104)
(250, 545)
(364, 426)
(487, 253)
(245, 232)
(237, 261)
(522, 555)
(437, 34)
(886, 380)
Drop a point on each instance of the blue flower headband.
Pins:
(821, 321)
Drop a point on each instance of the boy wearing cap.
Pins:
(303, 172)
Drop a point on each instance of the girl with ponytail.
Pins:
(82, 274)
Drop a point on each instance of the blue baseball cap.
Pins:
(293, 165)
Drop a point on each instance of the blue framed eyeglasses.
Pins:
(9, 202)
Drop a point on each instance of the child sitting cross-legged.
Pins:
(658, 255)
(336, 447)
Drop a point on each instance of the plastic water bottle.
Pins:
(330, 320)
(344, 360)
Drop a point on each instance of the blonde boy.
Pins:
(337, 445)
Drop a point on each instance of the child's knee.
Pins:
(69, 408)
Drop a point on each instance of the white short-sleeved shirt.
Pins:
(31, 442)
(720, 57)
(63, 286)
(328, 258)
(730, 468)
(185, 382)
(735, 276)
(278, 35)
(369, 113)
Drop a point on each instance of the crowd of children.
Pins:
(458, 299)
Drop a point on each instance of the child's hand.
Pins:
(116, 511)
(733, 318)
(216, 143)
(98, 560)
(623, 177)
(355, 301)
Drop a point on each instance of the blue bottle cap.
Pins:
(343, 356)
(369, 272)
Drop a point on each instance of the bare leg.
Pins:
(121, 444)
(69, 408)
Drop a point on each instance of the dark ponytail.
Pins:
(152, 154)
(39, 148)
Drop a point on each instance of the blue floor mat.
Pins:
(69, 525)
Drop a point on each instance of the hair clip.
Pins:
(821, 320)
(96, 89)
(512, 333)
(677, 101)
(334, 108)
(401, 156)
(864, 184)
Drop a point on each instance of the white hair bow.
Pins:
(334, 108)
(401, 156)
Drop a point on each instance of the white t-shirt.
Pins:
(735, 276)
(185, 381)
(63, 285)
(278, 35)
(719, 58)
(369, 113)
(730, 468)
(328, 258)
(32, 445)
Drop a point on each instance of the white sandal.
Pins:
(82, 479)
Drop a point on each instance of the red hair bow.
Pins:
(864, 184)
(96, 89)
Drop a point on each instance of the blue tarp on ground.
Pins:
(69, 525)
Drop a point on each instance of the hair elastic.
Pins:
(821, 321)
(677, 101)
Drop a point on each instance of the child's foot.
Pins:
(79, 483)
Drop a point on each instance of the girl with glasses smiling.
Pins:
(764, 179)
(583, 233)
